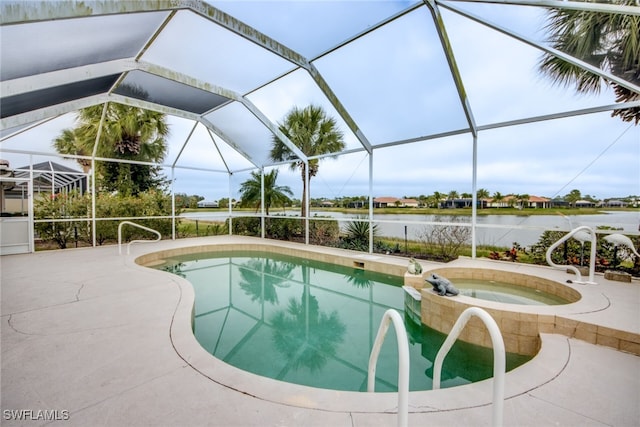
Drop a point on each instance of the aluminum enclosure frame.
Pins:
(15, 13)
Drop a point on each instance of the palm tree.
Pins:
(437, 198)
(498, 198)
(314, 133)
(482, 194)
(522, 198)
(357, 234)
(610, 41)
(573, 196)
(128, 133)
(69, 142)
(274, 195)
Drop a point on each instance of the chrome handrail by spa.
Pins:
(499, 356)
(392, 316)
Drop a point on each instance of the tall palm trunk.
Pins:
(303, 210)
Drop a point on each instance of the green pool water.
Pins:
(313, 323)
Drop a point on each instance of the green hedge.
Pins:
(75, 210)
(321, 232)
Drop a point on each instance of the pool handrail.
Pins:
(499, 356)
(390, 316)
(135, 241)
(592, 259)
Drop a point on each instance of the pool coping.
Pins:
(551, 359)
(89, 331)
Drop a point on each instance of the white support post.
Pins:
(474, 197)
(307, 204)
(229, 208)
(371, 202)
(30, 207)
(53, 180)
(173, 204)
(93, 174)
(93, 201)
(262, 234)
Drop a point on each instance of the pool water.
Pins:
(313, 323)
(506, 292)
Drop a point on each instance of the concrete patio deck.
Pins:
(95, 339)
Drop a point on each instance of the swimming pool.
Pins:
(312, 323)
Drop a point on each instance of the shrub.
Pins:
(572, 252)
(73, 205)
(357, 235)
(324, 232)
(321, 232)
(283, 228)
(62, 208)
(245, 226)
(445, 241)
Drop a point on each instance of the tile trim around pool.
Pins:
(548, 363)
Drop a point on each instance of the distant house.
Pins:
(465, 202)
(392, 202)
(327, 204)
(457, 203)
(357, 204)
(539, 202)
(613, 204)
(409, 203)
(503, 203)
(559, 203)
(585, 204)
(207, 204)
(511, 200)
(385, 202)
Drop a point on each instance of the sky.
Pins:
(395, 83)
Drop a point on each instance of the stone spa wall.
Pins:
(520, 325)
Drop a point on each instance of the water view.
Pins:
(497, 230)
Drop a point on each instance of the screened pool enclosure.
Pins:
(430, 96)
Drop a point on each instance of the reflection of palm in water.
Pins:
(270, 273)
(303, 334)
(358, 279)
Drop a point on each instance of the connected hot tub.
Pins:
(522, 305)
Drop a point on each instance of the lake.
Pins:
(497, 230)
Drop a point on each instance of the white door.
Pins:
(16, 219)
